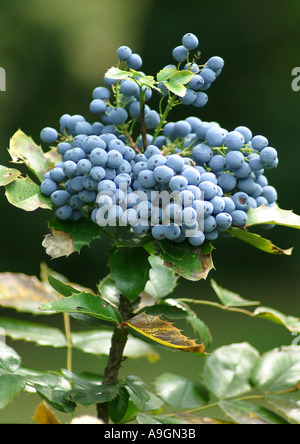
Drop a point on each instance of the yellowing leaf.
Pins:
(164, 333)
(44, 415)
(24, 293)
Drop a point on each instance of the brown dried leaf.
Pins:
(44, 415)
(24, 293)
(58, 244)
(164, 333)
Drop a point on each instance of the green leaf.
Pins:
(108, 290)
(10, 361)
(162, 280)
(54, 389)
(177, 81)
(10, 386)
(8, 175)
(248, 413)
(141, 418)
(229, 298)
(84, 303)
(258, 242)
(130, 270)
(61, 287)
(118, 74)
(290, 322)
(227, 371)
(273, 215)
(278, 370)
(23, 149)
(20, 330)
(98, 342)
(118, 407)
(165, 74)
(125, 237)
(191, 263)
(180, 393)
(137, 391)
(23, 193)
(68, 237)
(287, 404)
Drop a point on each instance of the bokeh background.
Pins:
(55, 53)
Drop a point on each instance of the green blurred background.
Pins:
(55, 53)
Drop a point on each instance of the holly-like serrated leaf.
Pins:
(23, 193)
(165, 74)
(23, 149)
(258, 241)
(10, 361)
(229, 298)
(117, 74)
(8, 175)
(199, 327)
(10, 386)
(162, 280)
(24, 293)
(177, 81)
(164, 333)
(84, 303)
(130, 270)
(191, 263)
(273, 215)
(69, 237)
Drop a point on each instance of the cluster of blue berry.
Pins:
(193, 181)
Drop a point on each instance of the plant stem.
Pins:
(142, 120)
(118, 343)
(171, 104)
(69, 340)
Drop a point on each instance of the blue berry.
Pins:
(215, 136)
(134, 61)
(239, 218)
(190, 41)
(180, 53)
(147, 178)
(101, 93)
(118, 116)
(60, 197)
(259, 143)
(129, 88)
(124, 53)
(178, 183)
(98, 106)
(64, 212)
(241, 201)
(234, 140)
(158, 232)
(49, 135)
